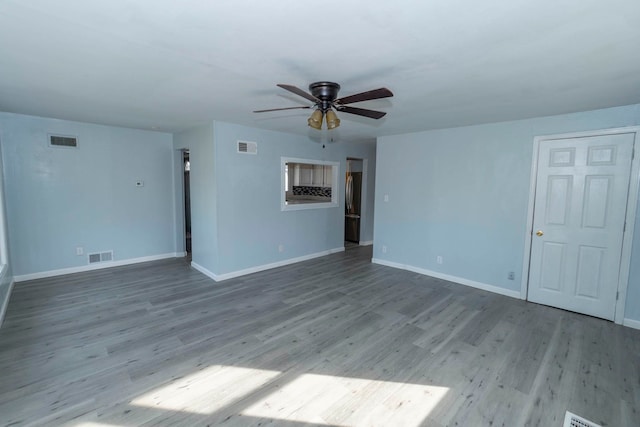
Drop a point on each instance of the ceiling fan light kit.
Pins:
(315, 121)
(324, 96)
(332, 120)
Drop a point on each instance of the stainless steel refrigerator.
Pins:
(353, 192)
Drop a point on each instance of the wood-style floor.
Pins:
(333, 341)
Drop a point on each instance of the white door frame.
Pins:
(363, 201)
(630, 217)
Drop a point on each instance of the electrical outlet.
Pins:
(386, 197)
(280, 247)
(384, 249)
(511, 275)
(79, 250)
(439, 259)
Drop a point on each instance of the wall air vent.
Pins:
(100, 257)
(64, 141)
(247, 147)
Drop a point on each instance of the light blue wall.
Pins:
(462, 193)
(204, 215)
(61, 198)
(250, 223)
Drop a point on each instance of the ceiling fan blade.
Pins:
(361, 112)
(278, 109)
(383, 92)
(299, 92)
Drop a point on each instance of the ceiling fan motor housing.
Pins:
(327, 92)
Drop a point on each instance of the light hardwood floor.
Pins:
(333, 341)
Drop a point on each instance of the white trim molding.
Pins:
(632, 201)
(5, 303)
(335, 190)
(3, 308)
(250, 270)
(96, 266)
(449, 278)
(210, 274)
(631, 323)
(366, 243)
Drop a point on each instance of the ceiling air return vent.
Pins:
(247, 147)
(64, 141)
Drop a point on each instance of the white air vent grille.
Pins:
(63, 141)
(247, 147)
(100, 257)
(572, 420)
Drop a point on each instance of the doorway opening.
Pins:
(186, 167)
(353, 201)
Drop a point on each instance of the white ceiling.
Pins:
(170, 65)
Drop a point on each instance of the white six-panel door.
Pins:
(578, 222)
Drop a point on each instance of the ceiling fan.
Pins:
(324, 96)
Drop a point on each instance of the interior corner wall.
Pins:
(462, 194)
(6, 276)
(203, 189)
(250, 223)
(59, 199)
(179, 229)
(368, 189)
(632, 309)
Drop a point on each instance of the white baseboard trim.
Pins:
(449, 278)
(631, 323)
(366, 243)
(96, 266)
(204, 271)
(5, 303)
(244, 272)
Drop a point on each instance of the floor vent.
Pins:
(247, 147)
(100, 257)
(572, 420)
(63, 141)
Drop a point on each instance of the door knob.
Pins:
(539, 233)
